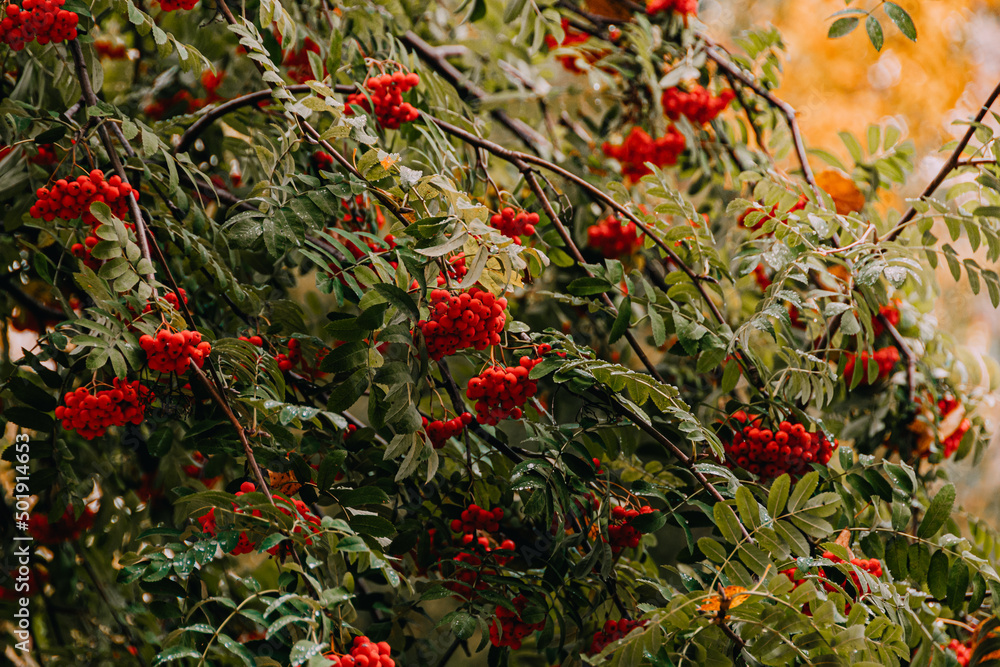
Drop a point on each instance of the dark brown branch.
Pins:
(240, 431)
(469, 91)
(730, 68)
(91, 99)
(529, 178)
(948, 166)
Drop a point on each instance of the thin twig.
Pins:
(948, 166)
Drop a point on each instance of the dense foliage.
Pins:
(391, 334)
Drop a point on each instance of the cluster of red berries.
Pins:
(111, 50)
(296, 61)
(872, 566)
(621, 533)
(515, 224)
(950, 444)
(475, 518)
(364, 653)
(698, 105)
(457, 321)
(683, 7)
(387, 95)
(440, 431)
(508, 629)
(294, 358)
(963, 652)
(208, 525)
(885, 358)
(173, 5)
(174, 352)
(253, 340)
(196, 469)
(797, 206)
(171, 299)
(83, 252)
(41, 20)
(69, 200)
(68, 528)
(891, 314)
(322, 160)
(769, 453)
(500, 391)
(571, 37)
(640, 148)
(90, 415)
(456, 268)
(46, 155)
(612, 632)
(613, 238)
(475, 547)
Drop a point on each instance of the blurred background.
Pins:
(921, 87)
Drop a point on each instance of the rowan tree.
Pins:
(397, 333)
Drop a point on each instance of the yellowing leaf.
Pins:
(845, 194)
(733, 595)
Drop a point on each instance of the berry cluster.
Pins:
(46, 155)
(68, 528)
(90, 415)
(697, 105)
(963, 652)
(364, 653)
(294, 358)
(440, 431)
(253, 340)
(171, 299)
(457, 321)
(612, 632)
(613, 238)
(475, 547)
(82, 251)
(322, 160)
(797, 206)
(515, 224)
(891, 314)
(245, 545)
(174, 352)
(296, 61)
(885, 358)
(41, 20)
(508, 629)
(500, 391)
(683, 7)
(456, 268)
(950, 444)
(387, 95)
(640, 148)
(571, 37)
(621, 533)
(111, 50)
(475, 518)
(173, 5)
(69, 200)
(771, 452)
(872, 566)
(299, 511)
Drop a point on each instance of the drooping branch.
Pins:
(948, 166)
(470, 92)
(91, 99)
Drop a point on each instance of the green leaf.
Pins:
(376, 526)
(843, 26)
(896, 557)
(620, 325)
(958, 583)
(366, 495)
(513, 10)
(874, 29)
(29, 418)
(398, 298)
(588, 286)
(902, 19)
(463, 624)
(778, 495)
(747, 505)
(937, 575)
(729, 525)
(803, 490)
(938, 512)
(175, 653)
